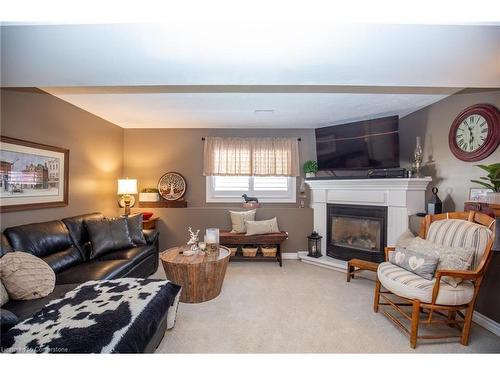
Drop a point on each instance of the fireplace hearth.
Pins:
(356, 231)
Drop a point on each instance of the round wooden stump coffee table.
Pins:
(201, 276)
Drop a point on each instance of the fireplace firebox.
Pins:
(355, 231)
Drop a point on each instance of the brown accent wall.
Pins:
(450, 175)
(96, 151)
(149, 153)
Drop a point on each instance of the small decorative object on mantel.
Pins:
(250, 202)
(193, 243)
(149, 195)
(434, 206)
(475, 132)
(310, 168)
(32, 175)
(491, 181)
(314, 245)
(172, 186)
(212, 241)
(418, 157)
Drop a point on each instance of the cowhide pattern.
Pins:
(92, 318)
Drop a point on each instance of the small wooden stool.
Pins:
(356, 265)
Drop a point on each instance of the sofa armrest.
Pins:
(150, 235)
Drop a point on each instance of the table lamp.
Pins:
(126, 187)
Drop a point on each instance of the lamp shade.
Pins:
(127, 186)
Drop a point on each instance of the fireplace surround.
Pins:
(356, 231)
(400, 197)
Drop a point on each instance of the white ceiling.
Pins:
(237, 110)
(206, 74)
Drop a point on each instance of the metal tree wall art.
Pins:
(172, 186)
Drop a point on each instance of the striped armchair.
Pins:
(434, 301)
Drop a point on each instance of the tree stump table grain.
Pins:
(200, 276)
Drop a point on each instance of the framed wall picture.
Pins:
(478, 194)
(32, 175)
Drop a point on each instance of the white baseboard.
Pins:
(331, 263)
(294, 256)
(486, 323)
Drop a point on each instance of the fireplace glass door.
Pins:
(356, 232)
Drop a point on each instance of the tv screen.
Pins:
(368, 144)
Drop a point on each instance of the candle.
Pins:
(212, 235)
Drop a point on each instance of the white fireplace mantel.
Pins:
(402, 197)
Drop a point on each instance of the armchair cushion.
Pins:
(406, 284)
(461, 233)
(450, 258)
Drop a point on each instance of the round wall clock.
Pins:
(172, 186)
(475, 133)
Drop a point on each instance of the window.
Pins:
(267, 189)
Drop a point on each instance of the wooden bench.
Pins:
(238, 240)
(356, 265)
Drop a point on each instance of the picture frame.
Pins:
(32, 175)
(478, 194)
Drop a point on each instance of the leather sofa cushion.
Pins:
(43, 240)
(4, 246)
(64, 259)
(134, 253)
(7, 319)
(94, 270)
(26, 309)
(150, 235)
(108, 235)
(78, 231)
(134, 223)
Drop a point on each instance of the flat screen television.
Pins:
(369, 144)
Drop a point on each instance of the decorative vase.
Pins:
(310, 174)
(149, 197)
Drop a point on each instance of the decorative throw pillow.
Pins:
(262, 227)
(404, 240)
(7, 319)
(238, 219)
(4, 296)
(26, 276)
(108, 235)
(134, 223)
(420, 264)
(450, 258)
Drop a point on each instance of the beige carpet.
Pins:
(299, 308)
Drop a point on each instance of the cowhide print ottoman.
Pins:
(109, 316)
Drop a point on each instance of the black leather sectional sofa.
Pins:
(65, 246)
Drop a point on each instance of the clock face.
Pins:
(472, 133)
(475, 132)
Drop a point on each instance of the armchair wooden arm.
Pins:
(464, 275)
(387, 250)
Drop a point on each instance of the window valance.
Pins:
(276, 156)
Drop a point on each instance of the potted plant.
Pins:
(149, 195)
(491, 181)
(310, 168)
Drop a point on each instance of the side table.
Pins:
(200, 276)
